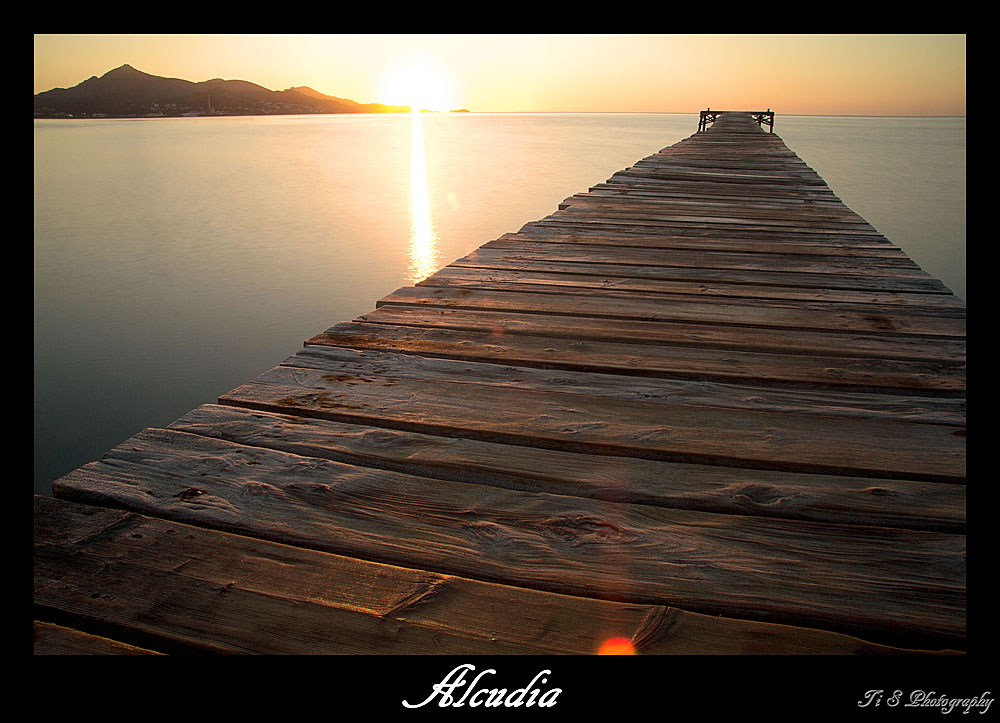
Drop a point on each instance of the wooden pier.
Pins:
(704, 407)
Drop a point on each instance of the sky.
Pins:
(792, 74)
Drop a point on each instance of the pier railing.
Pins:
(764, 116)
(707, 116)
(761, 117)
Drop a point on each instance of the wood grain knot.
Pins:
(881, 492)
(577, 529)
(756, 493)
(489, 532)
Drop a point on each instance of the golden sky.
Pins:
(791, 74)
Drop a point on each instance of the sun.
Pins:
(420, 83)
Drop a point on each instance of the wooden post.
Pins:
(707, 116)
(763, 117)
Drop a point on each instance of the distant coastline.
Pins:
(125, 92)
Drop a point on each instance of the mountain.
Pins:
(127, 92)
(343, 105)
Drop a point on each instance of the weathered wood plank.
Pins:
(815, 247)
(673, 157)
(890, 582)
(646, 208)
(381, 360)
(567, 226)
(702, 274)
(603, 204)
(725, 490)
(619, 427)
(708, 190)
(686, 192)
(51, 639)
(792, 341)
(580, 282)
(644, 309)
(239, 594)
(716, 223)
(622, 255)
(881, 376)
(721, 177)
(619, 187)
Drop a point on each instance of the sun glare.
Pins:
(419, 83)
(617, 646)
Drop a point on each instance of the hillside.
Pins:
(127, 92)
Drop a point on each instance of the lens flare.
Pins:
(617, 646)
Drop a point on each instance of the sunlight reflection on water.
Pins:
(424, 253)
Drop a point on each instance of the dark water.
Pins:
(178, 258)
(905, 176)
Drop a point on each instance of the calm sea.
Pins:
(177, 258)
